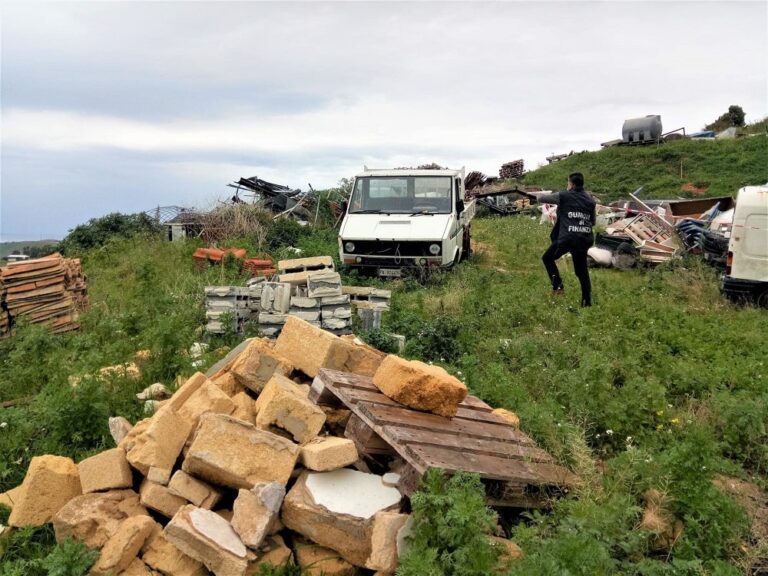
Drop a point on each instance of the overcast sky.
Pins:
(126, 106)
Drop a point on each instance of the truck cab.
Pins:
(406, 219)
(746, 273)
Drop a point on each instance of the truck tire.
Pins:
(761, 299)
(466, 244)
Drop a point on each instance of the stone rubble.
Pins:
(239, 469)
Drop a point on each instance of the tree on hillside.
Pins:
(100, 230)
(734, 117)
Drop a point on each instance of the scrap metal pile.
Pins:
(660, 230)
(498, 194)
(302, 450)
(51, 291)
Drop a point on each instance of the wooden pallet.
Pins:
(515, 471)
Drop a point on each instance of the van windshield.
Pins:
(401, 195)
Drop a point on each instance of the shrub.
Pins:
(98, 231)
(451, 527)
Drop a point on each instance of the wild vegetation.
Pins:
(720, 166)
(661, 385)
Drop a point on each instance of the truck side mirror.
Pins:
(344, 206)
(459, 206)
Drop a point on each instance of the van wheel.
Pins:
(762, 299)
(466, 244)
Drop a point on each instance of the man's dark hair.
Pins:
(577, 179)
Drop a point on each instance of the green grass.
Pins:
(723, 166)
(661, 384)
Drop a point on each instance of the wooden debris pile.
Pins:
(512, 169)
(248, 466)
(50, 291)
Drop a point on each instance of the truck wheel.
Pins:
(466, 250)
(762, 299)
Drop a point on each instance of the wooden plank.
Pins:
(413, 436)
(356, 394)
(493, 467)
(386, 415)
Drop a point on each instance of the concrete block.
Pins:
(309, 348)
(229, 452)
(94, 518)
(105, 471)
(50, 482)
(159, 442)
(420, 386)
(207, 398)
(255, 512)
(160, 499)
(159, 554)
(257, 363)
(272, 318)
(321, 284)
(310, 315)
(342, 312)
(304, 302)
(159, 475)
(245, 407)
(228, 383)
(384, 532)
(275, 297)
(310, 263)
(194, 490)
(335, 509)
(121, 549)
(282, 404)
(328, 453)
(208, 538)
(342, 300)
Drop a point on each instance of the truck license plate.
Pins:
(390, 272)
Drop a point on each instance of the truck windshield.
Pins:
(401, 195)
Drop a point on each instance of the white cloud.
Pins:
(201, 93)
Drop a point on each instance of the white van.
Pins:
(406, 219)
(746, 273)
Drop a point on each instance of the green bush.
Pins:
(451, 528)
(33, 552)
(98, 231)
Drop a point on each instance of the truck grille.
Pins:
(392, 249)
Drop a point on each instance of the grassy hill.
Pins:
(661, 385)
(723, 166)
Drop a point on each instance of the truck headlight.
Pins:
(349, 246)
(434, 249)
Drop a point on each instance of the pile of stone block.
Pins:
(230, 308)
(237, 469)
(274, 304)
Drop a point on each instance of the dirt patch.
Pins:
(487, 254)
(752, 499)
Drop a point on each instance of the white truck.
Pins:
(406, 219)
(746, 272)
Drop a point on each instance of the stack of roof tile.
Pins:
(50, 291)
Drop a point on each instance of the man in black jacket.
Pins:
(572, 233)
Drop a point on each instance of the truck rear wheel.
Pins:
(466, 244)
(762, 299)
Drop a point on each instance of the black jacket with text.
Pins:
(575, 217)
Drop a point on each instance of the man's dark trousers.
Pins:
(579, 256)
